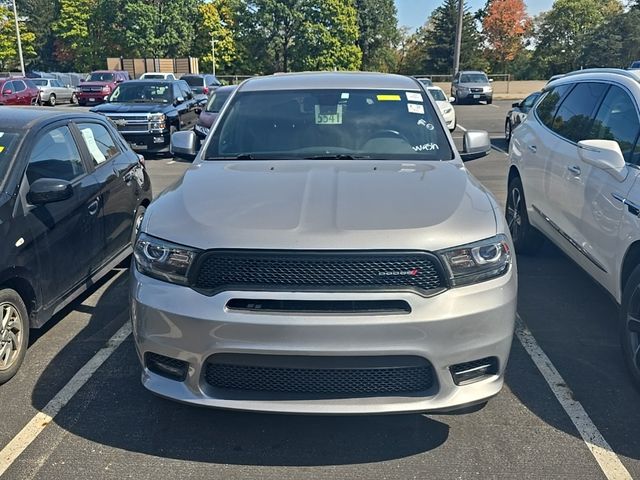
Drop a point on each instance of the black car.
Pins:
(71, 192)
(147, 112)
(518, 114)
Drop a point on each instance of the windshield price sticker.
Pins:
(328, 116)
(415, 108)
(414, 97)
(389, 98)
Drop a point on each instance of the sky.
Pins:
(413, 13)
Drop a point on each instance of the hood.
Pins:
(474, 84)
(206, 119)
(320, 205)
(132, 108)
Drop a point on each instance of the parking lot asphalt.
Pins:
(113, 428)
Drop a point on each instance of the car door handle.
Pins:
(94, 206)
(533, 148)
(574, 169)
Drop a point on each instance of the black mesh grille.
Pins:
(222, 270)
(329, 379)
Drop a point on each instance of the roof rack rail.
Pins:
(617, 71)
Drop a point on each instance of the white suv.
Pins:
(574, 176)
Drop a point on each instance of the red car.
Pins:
(99, 85)
(18, 91)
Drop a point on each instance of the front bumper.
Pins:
(475, 96)
(93, 98)
(148, 142)
(460, 325)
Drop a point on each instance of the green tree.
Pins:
(9, 60)
(563, 31)
(616, 43)
(73, 48)
(219, 22)
(378, 25)
(39, 16)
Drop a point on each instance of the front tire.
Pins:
(630, 326)
(52, 100)
(526, 239)
(508, 130)
(74, 99)
(14, 333)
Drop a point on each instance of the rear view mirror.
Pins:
(475, 144)
(184, 145)
(49, 190)
(605, 155)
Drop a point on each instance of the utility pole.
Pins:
(213, 54)
(15, 15)
(456, 55)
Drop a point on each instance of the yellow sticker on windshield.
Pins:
(1, 149)
(388, 98)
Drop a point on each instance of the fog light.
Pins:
(469, 372)
(168, 367)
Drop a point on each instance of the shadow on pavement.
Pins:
(113, 409)
(575, 322)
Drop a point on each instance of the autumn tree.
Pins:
(505, 26)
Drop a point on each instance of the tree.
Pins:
(39, 16)
(615, 43)
(563, 31)
(438, 38)
(378, 25)
(73, 48)
(9, 60)
(505, 26)
(218, 22)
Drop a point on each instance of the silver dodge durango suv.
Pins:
(327, 252)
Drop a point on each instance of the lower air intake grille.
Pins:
(345, 376)
(247, 270)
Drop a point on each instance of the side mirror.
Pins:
(7, 92)
(179, 100)
(119, 80)
(475, 144)
(82, 80)
(491, 80)
(605, 155)
(452, 99)
(49, 190)
(184, 145)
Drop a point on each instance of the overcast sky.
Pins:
(413, 13)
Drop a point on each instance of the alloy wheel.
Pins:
(11, 335)
(514, 213)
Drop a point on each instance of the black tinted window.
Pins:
(547, 107)
(193, 81)
(99, 142)
(529, 102)
(55, 155)
(617, 119)
(575, 114)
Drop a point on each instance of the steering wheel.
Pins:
(388, 134)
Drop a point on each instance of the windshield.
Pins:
(216, 101)
(40, 82)
(142, 92)
(8, 142)
(474, 78)
(326, 124)
(437, 95)
(101, 77)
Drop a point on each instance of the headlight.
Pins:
(157, 117)
(106, 89)
(163, 260)
(477, 262)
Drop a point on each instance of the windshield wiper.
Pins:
(339, 156)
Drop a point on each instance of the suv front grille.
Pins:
(323, 376)
(477, 90)
(350, 271)
(89, 89)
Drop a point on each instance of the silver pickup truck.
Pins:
(327, 252)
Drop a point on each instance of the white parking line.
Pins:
(609, 462)
(39, 422)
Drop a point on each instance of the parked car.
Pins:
(157, 76)
(573, 178)
(18, 91)
(214, 105)
(325, 253)
(71, 191)
(518, 114)
(53, 92)
(427, 82)
(472, 86)
(202, 85)
(634, 65)
(444, 104)
(554, 78)
(99, 85)
(147, 112)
